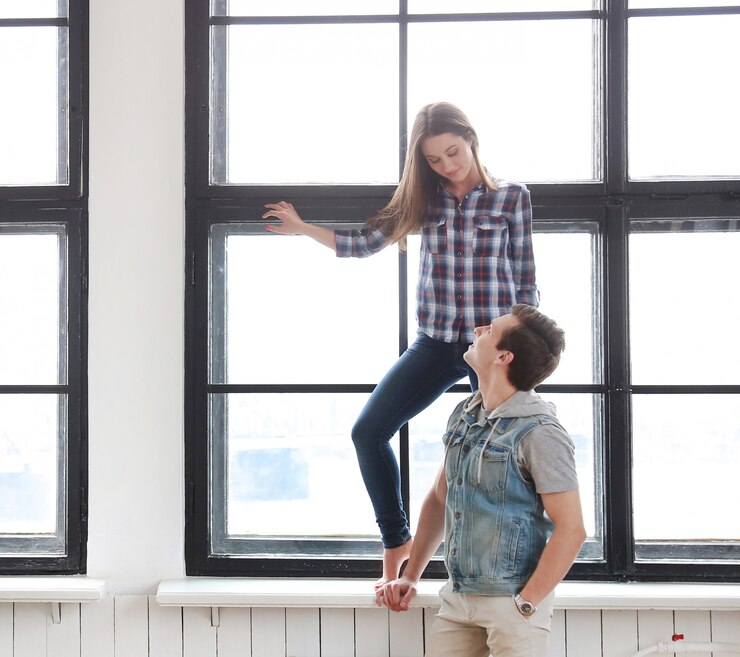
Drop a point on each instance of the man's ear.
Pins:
(505, 357)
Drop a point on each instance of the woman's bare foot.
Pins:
(393, 559)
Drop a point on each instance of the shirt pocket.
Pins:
(489, 233)
(434, 235)
(492, 466)
(453, 445)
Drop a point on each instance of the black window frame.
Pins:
(616, 203)
(63, 208)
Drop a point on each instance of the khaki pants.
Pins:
(482, 625)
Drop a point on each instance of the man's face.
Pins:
(484, 350)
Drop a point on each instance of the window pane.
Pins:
(467, 6)
(30, 278)
(568, 295)
(683, 310)
(682, 109)
(291, 466)
(685, 467)
(322, 108)
(581, 414)
(297, 314)
(29, 463)
(426, 451)
(32, 9)
(303, 8)
(529, 90)
(29, 131)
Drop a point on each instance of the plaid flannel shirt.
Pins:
(476, 259)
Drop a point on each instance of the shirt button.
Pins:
(466, 449)
(456, 586)
(457, 515)
(459, 275)
(459, 482)
(453, 552)
(459, 253)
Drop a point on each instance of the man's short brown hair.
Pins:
(536, 343)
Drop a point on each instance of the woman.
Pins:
(476, 263)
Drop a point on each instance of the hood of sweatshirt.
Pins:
(523, 403)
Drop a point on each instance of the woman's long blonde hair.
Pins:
(410, 203)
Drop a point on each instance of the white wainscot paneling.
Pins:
(137, 626)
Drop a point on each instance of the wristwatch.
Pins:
(525, 607)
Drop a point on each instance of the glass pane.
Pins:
(682, 110)
(683, 308)
(29, 125)
(575, 411)
(321, 108)
(580, 414)
(303, 8)
(292, 469)
(30, 276)
(32, 9)
(568, 295)
(529, 90)
(484, 6)
(685, 467)
(297, 314)
(426, 451)
(29, 455)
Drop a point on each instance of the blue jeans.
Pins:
(425, 370)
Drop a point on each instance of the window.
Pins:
(43, 238)
(636, 193)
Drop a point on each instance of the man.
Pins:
(505, 501)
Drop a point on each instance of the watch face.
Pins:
(527, 608)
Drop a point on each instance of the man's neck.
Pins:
(495, 393)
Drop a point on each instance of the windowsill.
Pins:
(238, 592)
(58, 588)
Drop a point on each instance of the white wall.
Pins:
(136, 292)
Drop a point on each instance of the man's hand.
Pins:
(397, 594)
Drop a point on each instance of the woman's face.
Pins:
(451, 156)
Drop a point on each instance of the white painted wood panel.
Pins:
(583, 633)
(268, 632)
(371, 632)
(619, 632)
(165, 630)
(136, 626)
(6, 629)
(406, 633)
(695, 627)
(131, 619)
(557, 634)
(234, 634)
(654, 626)
(29, 629)
(198, 635)
(337, 632)
(725, 629)
(63, 638)
(429, 614)
(96, 629)
(302, 633)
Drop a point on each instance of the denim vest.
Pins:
(495, 524)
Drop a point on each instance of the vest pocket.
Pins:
(513, 546)
(492, 468)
